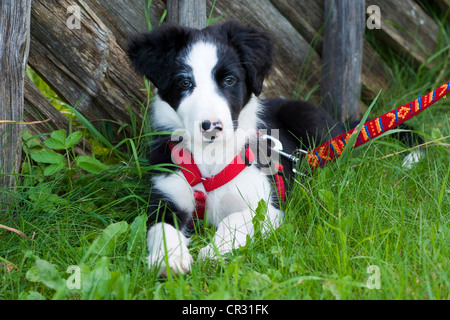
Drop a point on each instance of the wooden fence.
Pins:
(78, 48)
(14, 48)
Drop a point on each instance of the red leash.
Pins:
(333, 148)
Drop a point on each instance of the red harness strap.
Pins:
(279, 183)
(200, 205)
(193, 175)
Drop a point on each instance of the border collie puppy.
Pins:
(208, 82)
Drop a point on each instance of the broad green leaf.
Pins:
(54, 168)
(73, 139)
(136, 234)
(48, 156)
(30, 144)
(120, 287)
(46, 273)
(104, 244)
(90, 126)
(255, 281)
(96, 283)
(90, 164)
(54, 144)
(57, 140)
(59, 135)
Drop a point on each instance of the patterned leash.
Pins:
(333, 148)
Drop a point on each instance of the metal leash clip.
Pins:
(277, 147)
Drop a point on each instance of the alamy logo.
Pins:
(74, 21)
(374, 19)
(374, 281)
(74, 280)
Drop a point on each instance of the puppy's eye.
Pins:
(229, 81)
(186, 83)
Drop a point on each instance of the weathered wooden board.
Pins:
(297, 66)
(39, 109)
(189, 13)
(407, 29)
(124, 17)
(342, 53)
(86, 67)
(14, 47)
(307, 17)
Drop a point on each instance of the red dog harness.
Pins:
(193, 175)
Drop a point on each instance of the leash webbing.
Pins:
(333, 148)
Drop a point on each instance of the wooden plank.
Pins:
(86, 67)
(307, 17)
(189, 13)
(123, 20)
(14, 48)
(404, 23)
(296, 71)
(38, 108)
(376, 74)
(407, 29)
(342, 58)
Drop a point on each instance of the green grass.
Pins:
(374, 214)
(345, 218)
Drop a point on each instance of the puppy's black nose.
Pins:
(206, 125)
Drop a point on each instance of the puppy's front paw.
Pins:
(168, 249)
(178, 261)
(207, 253)
(214, 253)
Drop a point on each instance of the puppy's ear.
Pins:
(255, 49)
(153, 53)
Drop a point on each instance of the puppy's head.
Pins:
(205, 78)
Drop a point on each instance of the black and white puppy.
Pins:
(208, 82)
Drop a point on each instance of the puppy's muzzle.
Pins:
(211, 129)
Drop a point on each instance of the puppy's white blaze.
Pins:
(205, 102)
(202, 58)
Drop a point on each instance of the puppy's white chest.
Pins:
(242, 193)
